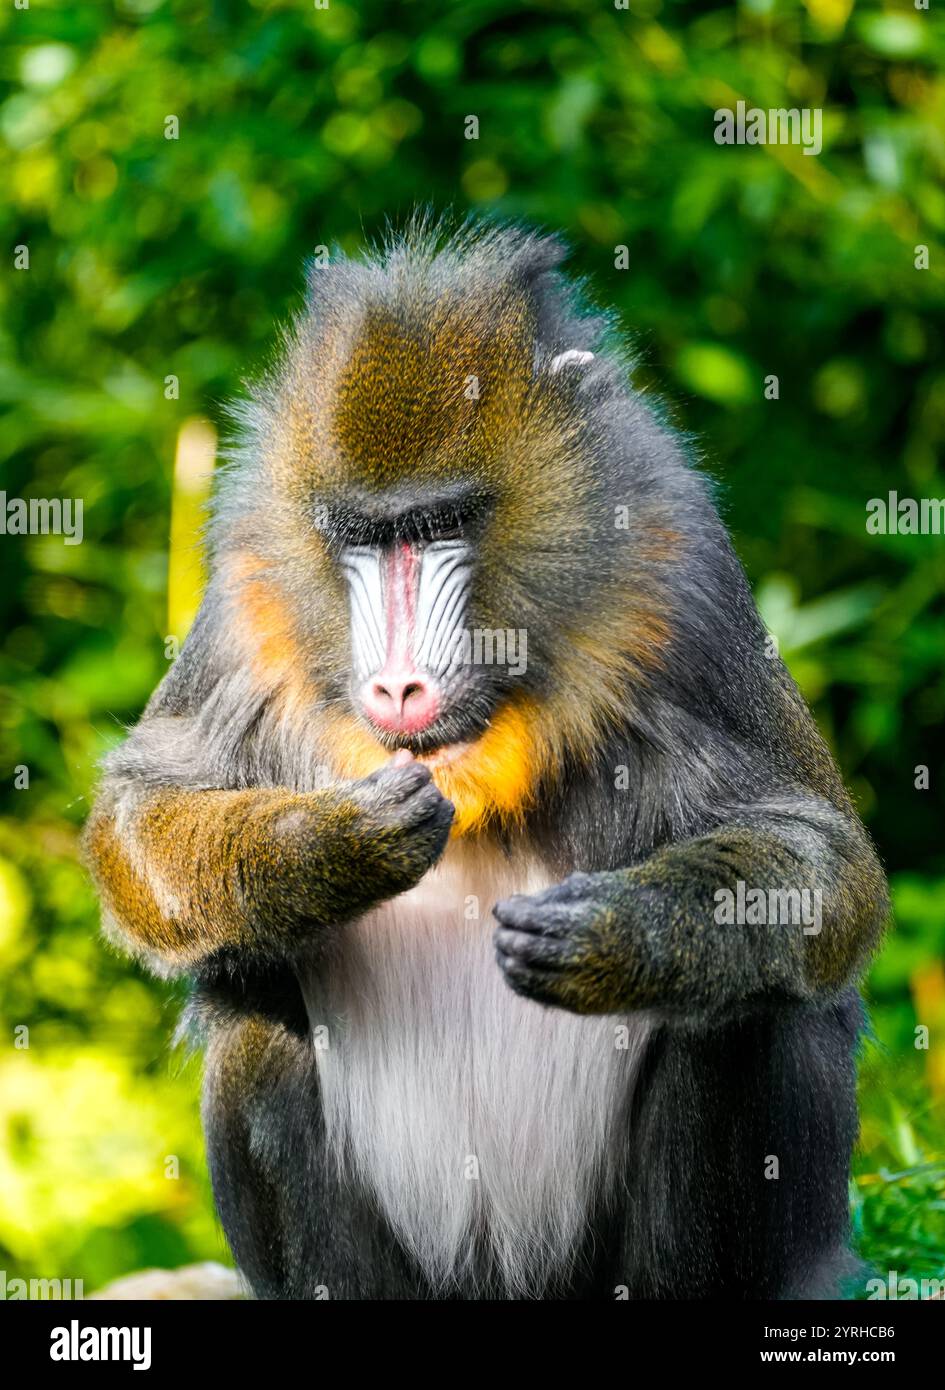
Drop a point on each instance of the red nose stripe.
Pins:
(401, 602)
(399, 697)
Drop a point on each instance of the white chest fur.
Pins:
(483, 1123)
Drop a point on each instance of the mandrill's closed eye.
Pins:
(417, 516)
(446, 532)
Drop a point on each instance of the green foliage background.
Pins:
(300, 127)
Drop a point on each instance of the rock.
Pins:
(203, 1281)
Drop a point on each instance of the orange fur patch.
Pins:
(267, 628)
(492, 779)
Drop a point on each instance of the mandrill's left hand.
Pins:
(592, 944)
(656, 936)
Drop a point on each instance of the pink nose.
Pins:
(401, 703)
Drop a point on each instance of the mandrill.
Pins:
(476, 649)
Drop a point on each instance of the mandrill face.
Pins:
(445, 560)
(409, 569)
(424, 673)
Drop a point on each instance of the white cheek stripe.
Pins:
(361, 565)
(444, 574)
(445, 570)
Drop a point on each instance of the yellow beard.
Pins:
(491, 779)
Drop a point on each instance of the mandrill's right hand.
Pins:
(404, 820)
(187, 874)
(357, 843)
